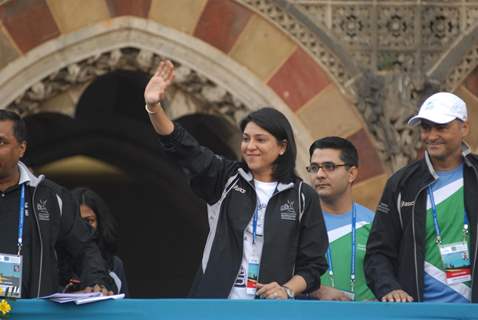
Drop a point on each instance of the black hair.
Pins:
(274, 122)
(348, 152)
(19, 126)
(106, 229)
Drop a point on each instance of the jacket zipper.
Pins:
(474, 263)
(41, 241)
(242, 254)
(415, 239)
(264, 227)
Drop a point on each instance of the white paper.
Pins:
(100, 298)
(80, 297)
(74, 295)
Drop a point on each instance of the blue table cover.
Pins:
(235, 309)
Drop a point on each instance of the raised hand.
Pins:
(158, 84)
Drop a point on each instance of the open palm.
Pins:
(158, 84)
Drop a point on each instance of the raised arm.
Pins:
(208, 172)
(154, 93)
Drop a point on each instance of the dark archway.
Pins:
(163, 224)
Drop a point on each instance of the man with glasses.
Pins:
(333, 169)
(422, 246)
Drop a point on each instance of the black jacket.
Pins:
(57, 225)
(395, 254)
(295, 238)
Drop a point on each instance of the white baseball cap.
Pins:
(441, 108)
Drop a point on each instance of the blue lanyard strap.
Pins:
(331, 270)
(255, 217)
(21, 218)
(353, 256)
(354, 248)
(438, 238)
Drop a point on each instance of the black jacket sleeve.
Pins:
(313, 241)
(208, 172)
(76, 238)
(118, 269)
(381, 258)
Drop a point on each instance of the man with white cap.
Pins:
(423, 242)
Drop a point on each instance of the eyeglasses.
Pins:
(326, 166)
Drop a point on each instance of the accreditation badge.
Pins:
(456, 262)
(252, 276)
(10, 275)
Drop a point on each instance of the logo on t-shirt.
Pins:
(239, 189)
(287, 211)
(407, 204)
(241, 279)
(43, 213)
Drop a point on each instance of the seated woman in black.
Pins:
(95, 212)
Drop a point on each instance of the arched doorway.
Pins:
(110, 146)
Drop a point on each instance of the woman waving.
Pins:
(266, 232)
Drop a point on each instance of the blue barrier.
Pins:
(133, 309)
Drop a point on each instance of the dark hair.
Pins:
(19, 127)
(106, 229)
(348, 152)
(274, 122)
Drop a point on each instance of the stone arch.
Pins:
(90, 44)
(146, 191)
(307, 85)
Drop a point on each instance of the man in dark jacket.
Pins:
(422, 246)
(37, 217)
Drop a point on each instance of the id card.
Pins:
(10, 275)
(456, 262)
(252, 276)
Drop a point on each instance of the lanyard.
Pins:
(21, 218)
(435, 218)
(352, 262)
(255, 217)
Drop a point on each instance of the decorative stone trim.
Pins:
(132, 42)
(211, 98)
(405, 50)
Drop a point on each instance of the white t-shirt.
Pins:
(264, 191)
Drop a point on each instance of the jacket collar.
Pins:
(250, 178)
(465, 151)
(26, 176)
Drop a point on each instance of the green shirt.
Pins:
(339, 230)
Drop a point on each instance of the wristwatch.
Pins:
(290, 293)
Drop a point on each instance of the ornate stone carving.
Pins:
(396, 27)
(389, 39)
(386, 103)
(352, 24)
(392, 29)
(468, 63)
(440, 26)
(303, 35)
(210, 97)
(395, 43)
